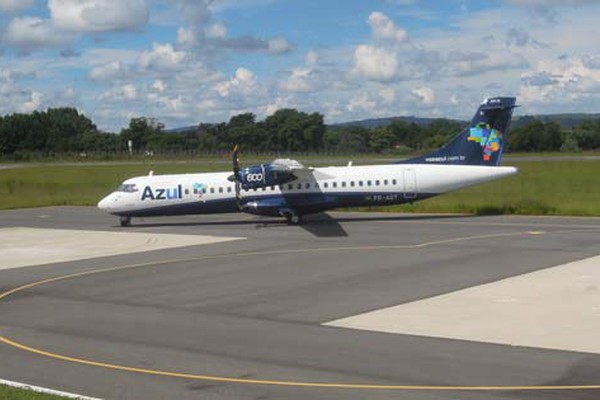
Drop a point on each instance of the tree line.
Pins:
(65, 130)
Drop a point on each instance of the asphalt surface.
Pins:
(252, 309)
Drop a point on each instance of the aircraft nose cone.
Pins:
(105, 203)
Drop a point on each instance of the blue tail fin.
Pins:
(482, 142)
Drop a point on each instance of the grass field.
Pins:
(540, 188)
(10, 393)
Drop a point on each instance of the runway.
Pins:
(244, 319)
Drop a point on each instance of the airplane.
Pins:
(286, 188)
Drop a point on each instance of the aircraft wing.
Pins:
(297, 169)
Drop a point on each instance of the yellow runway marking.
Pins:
(332, 385)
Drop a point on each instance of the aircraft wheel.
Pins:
(294, 219)
(125, 221)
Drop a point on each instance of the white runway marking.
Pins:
(555, 308)
(21, 247)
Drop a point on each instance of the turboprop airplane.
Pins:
(288, 189)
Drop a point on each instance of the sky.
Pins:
(183, 62)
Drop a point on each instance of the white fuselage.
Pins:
(321, 189)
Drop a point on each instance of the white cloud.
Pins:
(425, 94)
(388, 95)
(561, 80)
(244, 81)
(32, 32)
(545, 3)
(311, 58)
(98, 15)
(32, 104)
(299, 80)
(460, 63)
(375, 63)
(217, 30)
(279, 45)
(305, 79)
(186, 37)
(162, 57)
(384, 29)
(129, 92)
(15, 5)
(380, 60)
(361, 103)
(108, 71)
(159, 85)
(120, 94)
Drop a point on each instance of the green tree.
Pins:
(242, 130)
(407, 134)
(537, 136)
(292, 130)
(141, 131)
(587, 135)
(381, 140)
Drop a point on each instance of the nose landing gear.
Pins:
(125, 221)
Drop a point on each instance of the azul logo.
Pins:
(199, 189)
(488, 138)
(161, 193)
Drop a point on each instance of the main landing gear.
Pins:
(125, 221)
(292, 218)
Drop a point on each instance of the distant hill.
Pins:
(184, 129)
(379, 122)
(566, 120)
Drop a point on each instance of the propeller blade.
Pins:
(236, 176)
(236, 162)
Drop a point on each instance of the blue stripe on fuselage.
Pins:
(301, 202)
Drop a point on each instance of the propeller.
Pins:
(236, 176)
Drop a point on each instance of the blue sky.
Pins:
(189, 61)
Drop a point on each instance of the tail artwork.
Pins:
(482, 142)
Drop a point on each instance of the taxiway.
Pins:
(248, 318)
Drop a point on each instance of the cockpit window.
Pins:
(128, 188)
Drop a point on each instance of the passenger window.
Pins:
(343, 183)
(212, 190)
(352, 183)
(290, 186)
(307, 186)
(393, 181)
(360, 183)
(334, 184)
(385, 182)
(368, 183)
(299, 186)
(272, 188)
(325, 185)
(377, 183)
(220, 190)
(228, 189)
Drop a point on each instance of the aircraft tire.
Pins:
(294, 219)
(125, 221)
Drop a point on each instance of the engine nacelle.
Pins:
(263, 175)
(270, 206)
